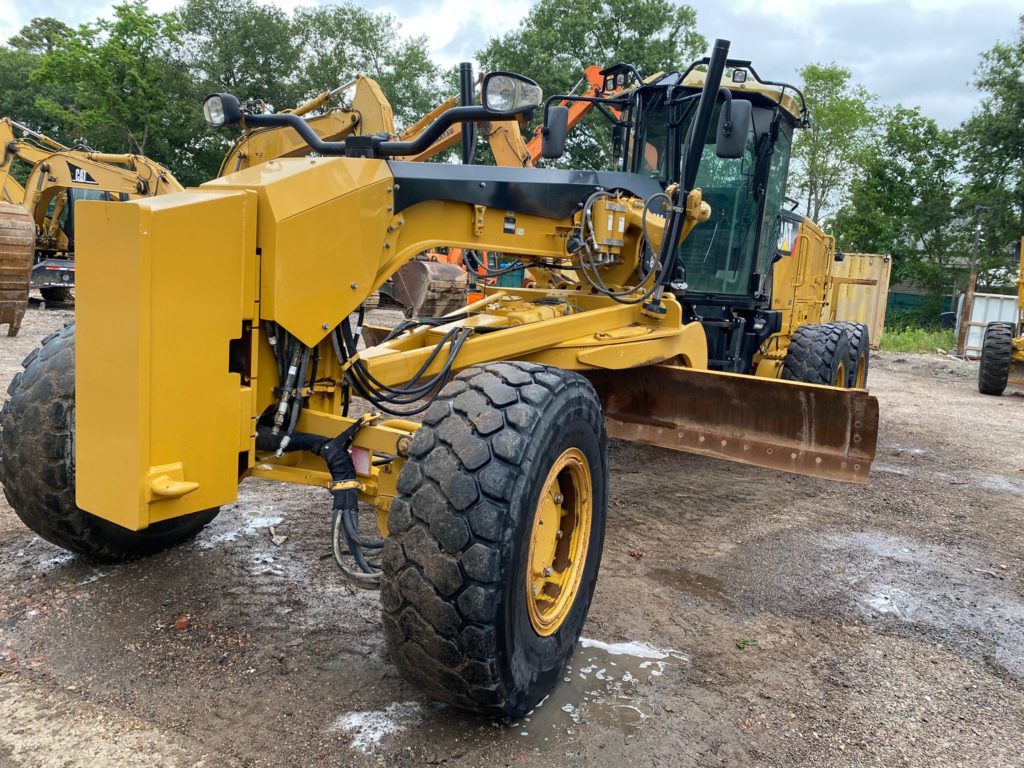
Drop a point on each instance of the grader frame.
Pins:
(215, 340)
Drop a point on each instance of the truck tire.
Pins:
(56, 295)
(996, 354)
(858, 361)
(818, 354)
(37, 435)
(482, 604)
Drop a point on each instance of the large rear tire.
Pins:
(37, 437)
(996, 356)
(495, 538)
(818, 354)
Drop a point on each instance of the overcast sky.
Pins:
(915, 52)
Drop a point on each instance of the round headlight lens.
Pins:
(501, 93)
(213, 111)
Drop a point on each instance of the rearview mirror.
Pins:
(733, 127)
(618, 140)
(554, 133)
(510, 94)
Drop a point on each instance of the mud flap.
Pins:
(825, 432)
(429, 288)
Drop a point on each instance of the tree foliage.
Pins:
(120, 72)
(135, 82)
(994, 150)
(826, 153)
(558, 39)
(903, 197)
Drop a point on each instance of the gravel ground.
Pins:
(742, 617)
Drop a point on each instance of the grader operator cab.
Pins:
(755, 275)
(232, 350)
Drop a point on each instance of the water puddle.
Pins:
(606, 685)
(891, 469)
(1002, 484)
(696, 584)
(250, 525)
(368, 728)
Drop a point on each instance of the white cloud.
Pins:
(917, 52)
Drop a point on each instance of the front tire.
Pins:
(482, 603)
(818, 354)
(37, 436)
(996, 356)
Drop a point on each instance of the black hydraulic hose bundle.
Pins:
(399, 401)
(344, 488)
(298, 364)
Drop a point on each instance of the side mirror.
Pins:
(554, 133)
(733, 127)
(618, 140)
(507, 93)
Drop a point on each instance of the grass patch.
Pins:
(916, 339)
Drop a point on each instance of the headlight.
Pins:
(508, 93)
(221, 109)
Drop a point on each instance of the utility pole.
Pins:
(972, 281)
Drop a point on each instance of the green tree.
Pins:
(903, 200)
(340, 41)
(41, 36)
(242, 47)
(111, 83)
(19, 59)
(558, 39)
(825, 154)
(994, 144)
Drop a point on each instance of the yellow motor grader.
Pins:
(1002, 347)
(218, 337)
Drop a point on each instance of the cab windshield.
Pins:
(719, 255)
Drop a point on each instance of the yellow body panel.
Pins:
(321, 223)
(167, 286)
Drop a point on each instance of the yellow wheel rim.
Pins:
(841, 375)
(862, 372)
(559, 540)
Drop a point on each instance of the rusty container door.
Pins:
(17, 247)
(860, 291)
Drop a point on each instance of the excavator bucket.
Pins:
(825, 432)
(17, 247)
(430, 288)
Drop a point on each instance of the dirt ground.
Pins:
(742, 617)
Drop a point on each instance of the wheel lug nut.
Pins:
(559, 498)
(547, 571)
(559, 534)
(536, 589)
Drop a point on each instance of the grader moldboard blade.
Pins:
(824, 432)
